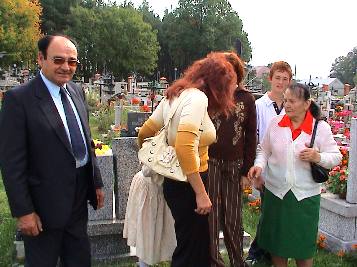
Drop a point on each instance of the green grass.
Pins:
(250, 220)
(322, 258)
(7, 229)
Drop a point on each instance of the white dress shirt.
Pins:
(54, 91)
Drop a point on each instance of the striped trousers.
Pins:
(223, 187)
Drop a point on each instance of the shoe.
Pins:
(250, 262)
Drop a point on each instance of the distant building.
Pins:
(335, 86)
(261, 70)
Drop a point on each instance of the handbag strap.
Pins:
(174, 108)
(313, 134)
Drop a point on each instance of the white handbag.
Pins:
(156, 153)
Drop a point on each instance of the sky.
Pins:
(308, 34)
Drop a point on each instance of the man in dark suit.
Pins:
(47, 161)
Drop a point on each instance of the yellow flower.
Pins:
(99, 152)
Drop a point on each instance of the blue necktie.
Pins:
(78, 147)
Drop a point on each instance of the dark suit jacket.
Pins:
(36, 158)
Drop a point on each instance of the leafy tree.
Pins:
(127, 43)
(56, 16)
(149, 16)
(86, 20)
(92, 3)
(19, 29)
(165, 66)
(119, 41)
(344, 68)
(198, 27)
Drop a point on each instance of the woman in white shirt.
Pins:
(291, 206)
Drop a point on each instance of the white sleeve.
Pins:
(327, 146)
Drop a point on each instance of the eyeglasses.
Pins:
(72, 62)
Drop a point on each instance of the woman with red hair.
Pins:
(206, 89)
(230, 158)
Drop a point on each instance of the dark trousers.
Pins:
(223, 185)
(191, 229)
(69, 244)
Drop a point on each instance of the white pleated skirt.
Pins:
(149, 225)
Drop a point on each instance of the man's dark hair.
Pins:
(45, 41)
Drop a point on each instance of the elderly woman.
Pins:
(207, 88)
(291, 206)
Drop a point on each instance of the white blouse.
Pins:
(278, 156)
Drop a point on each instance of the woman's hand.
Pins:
(255, 175)
(203, 202)
(254, 172)
(310, 155)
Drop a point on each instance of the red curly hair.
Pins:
(214, 76)
(237, 64)
(281, 66)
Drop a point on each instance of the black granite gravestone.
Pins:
(136, 119)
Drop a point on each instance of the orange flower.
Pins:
(322, 245)
(247, 191)
(322, 237)
(344, 162)
(341, 253)
(354, 246)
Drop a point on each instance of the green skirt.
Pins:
(288, 228)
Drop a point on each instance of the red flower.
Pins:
(337, 168)
(343, 178)
(135, 101)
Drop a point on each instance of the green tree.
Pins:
(198, 27)
(56, 16)
(127, 43)
(119, 41)
(19, 30)
(92, 3)
(86, 20)
(344, 68)
(149, 16)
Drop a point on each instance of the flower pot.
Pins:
(342, 195)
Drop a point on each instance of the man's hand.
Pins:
(100, 198)
(30, 224)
